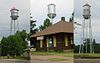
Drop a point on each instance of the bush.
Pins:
(59, 51)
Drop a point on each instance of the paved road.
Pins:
(87, 61)
(13, 61)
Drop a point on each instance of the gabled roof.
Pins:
(59, 27)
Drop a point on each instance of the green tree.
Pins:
(46, 24)
(4, 46)
(41, 27)
(33, 30)
(14, 44)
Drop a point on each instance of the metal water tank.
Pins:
(14, 13)
(51, 11)
(86, 11)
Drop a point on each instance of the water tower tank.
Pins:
(14, 13)
(86, 11)
(51, 11)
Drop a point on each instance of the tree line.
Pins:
(96, 47)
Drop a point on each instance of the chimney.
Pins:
(62, 18)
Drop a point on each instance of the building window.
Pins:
(50, 42)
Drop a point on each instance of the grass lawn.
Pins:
(57, 59)
(20, 58)
(70, 54)
(52, 56)
(17, 57)
(87, 55)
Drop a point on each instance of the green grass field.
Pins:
(70, 54)
(17, 57)
(57, 59)
(87, 55)
(53, 56)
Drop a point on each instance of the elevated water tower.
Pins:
(14, 18)
(86, 11)
(86, 31)
(51, 11)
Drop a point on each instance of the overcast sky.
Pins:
(38, 8)
(64, 8)
(24, 12)
(95, 17)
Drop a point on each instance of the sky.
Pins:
(38, 9)
(24, 12)
(64, 8)
(95, 18)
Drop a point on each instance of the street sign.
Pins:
(40, 38)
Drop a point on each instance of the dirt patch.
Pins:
(48, 57)
(51, 59)
(45, 61)
(37, 57)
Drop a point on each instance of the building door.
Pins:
(60, 42)
(69, 40)
(44, 45)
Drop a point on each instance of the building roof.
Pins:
(59, 27)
